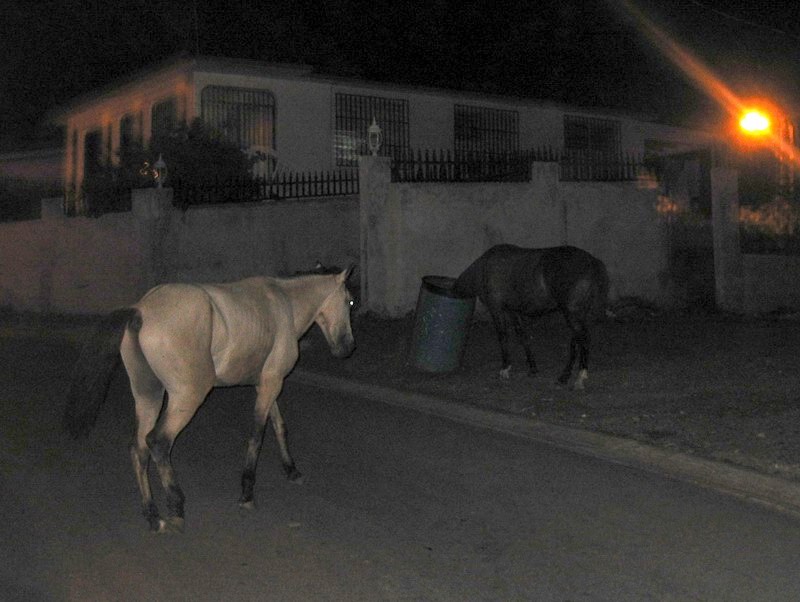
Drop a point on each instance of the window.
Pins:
(164, 117)
(354, 114)
(594, 135)
(243, 116)
(126, 135)
(484, 130)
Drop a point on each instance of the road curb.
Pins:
(773, 492)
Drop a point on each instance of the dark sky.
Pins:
(578, 51)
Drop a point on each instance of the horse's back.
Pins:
(227, 328)
(252, 324)
(539, 280)
(577, 279)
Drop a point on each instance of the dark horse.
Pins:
(518, 284)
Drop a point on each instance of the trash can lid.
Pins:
(441, 285)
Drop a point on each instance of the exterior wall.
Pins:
(412, 230)
(770, 283)
(86, 265)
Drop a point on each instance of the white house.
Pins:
(302, 121)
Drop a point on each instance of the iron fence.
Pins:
(593, 166)
(574, 166)
(285, 185)
(449, 166)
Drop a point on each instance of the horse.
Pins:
(181, 340)
(518, 284)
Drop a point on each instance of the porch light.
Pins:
(160, 171)
(374, 137)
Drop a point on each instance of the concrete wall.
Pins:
(398, 233)
(86, 265)
(412, 230)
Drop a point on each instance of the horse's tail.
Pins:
(92, 374)
(470, 282)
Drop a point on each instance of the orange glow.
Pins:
(667, 207)
(755, 123)
(707, 81)
(777, 217)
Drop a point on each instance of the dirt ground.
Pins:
(718, 386)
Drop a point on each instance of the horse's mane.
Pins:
(319, 269)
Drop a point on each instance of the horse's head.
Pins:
(333, 317)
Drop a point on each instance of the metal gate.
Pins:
(686, 185)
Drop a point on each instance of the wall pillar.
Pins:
(152, 210)
(379, 222)
(53, 208)
(728, 273)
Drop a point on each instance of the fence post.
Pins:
(728, 272)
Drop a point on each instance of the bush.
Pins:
(196, 158)
(199, 158)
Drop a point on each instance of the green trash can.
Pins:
(441, 322)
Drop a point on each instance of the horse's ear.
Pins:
(347, 273)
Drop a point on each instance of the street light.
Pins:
(755, 122)
(766, 127)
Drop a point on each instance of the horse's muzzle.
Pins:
(344, 347)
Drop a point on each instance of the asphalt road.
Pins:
(397, 505)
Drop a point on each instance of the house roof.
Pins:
(206, 64)
(179, 63)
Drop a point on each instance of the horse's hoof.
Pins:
(296, 477)
(533, 372)
(174, 524)
(249, 505)
(563, 379)
(505, 373)
(580, 379)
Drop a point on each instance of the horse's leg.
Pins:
(583, 357)
(524, 325)
(148, 407)
(578, 346)
(180, 407)
(267, 391)
(278, 425)
(148, 394)
(502, 319)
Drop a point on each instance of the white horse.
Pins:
(185, 339)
